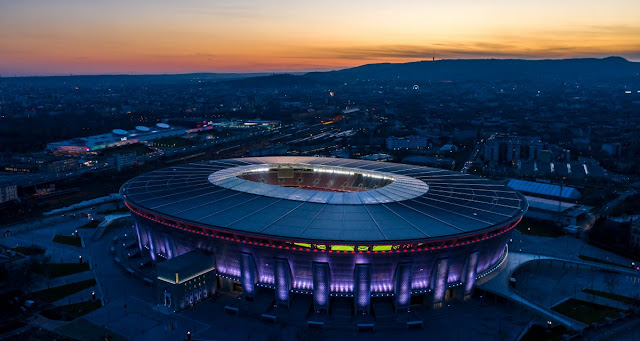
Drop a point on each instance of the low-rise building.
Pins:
(124, 160)
(185, 280)
(559, 212)
(116, 138)
(407, 142)
(8, 193)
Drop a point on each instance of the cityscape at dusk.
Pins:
(41, 37)
(319, 171)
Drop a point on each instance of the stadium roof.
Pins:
(435, 204)
(545, 189)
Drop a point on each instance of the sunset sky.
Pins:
(46, 37)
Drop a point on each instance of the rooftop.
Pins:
(184, 267)
(421, 203)
(545, 189)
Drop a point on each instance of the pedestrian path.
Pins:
(108, 219)
(498, 284)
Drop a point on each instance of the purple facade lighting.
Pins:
(321, 279)
(283, 281)
(362, 280)
(135, 225)
(470, 278)
(152, 249)
(248, 275)
(267, 279)
(404, 272)
(440, 282)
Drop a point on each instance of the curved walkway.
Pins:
(498, 284)
(108, 219)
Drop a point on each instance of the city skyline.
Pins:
(115, 37)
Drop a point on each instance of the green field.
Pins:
(56, 293)
(69, 240)
(138, 148)
(90, 225)
(29, 250)
(82, 329)
(538, 332)
(38, 334)
(586, 312)
(611, 296)
(72, 311)
(53, 270)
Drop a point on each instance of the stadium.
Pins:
(327, 227)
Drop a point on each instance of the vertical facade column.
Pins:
(283, 281)
(362, 288)
(440, 278)
(248, 275)
(321, 289)
(135, 224)
(469, 276)
(402, 286)
(152, 247)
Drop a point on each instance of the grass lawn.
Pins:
(538, 332)
(586, 312)
(83, 329)
(598, 260)
(38, 334)
(611, 296)
(90, 225)
(72, 311)
(138, 148)
(29, 250)
(539, 228)
(56, 293)
(53, 270)
(69, 240)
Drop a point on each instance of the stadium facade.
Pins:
(328, 227)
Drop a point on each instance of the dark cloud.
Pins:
(464, 50)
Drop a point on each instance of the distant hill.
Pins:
(274, 81)
(594, 69)
(610, 68)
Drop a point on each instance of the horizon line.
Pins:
(293, 72)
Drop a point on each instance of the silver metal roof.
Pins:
(421, 203)
(545, 189)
